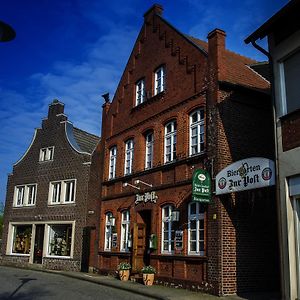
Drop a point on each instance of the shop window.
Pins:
(197, 132)
(25, 195)
(289, 70)
(21, 239)
(140, 93)
(46, 154)
(160, 80)
(125, 230)
(129, 149)
(196, 228)
(170, 142)
(167, 230)
(112, 162)
(62, 192)
(108, 231)
(60, 240)
(149, 150)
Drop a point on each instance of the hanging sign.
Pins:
(201, 186)
(246, 174)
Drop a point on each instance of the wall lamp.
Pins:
(125, 184)
(138, 181)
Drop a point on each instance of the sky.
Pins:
(76, 50)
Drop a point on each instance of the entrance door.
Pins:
(38, 244)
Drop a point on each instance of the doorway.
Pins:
(38, 244)
(141, 235)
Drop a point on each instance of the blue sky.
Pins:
(76, 50)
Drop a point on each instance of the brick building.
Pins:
(284, 56)
(46, 202)
(184, 104)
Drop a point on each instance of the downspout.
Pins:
(278, 202)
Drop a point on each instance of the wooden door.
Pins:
(139, 246)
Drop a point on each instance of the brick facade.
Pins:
(240, 253)
(69, 162)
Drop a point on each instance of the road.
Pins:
(30, 285)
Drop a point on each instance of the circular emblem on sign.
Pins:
(266, 174)
(201, 177)
(222, 183)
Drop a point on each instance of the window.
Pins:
(46, 154)
(167, 230)
(159, 80)
(129, 148)
(197, 132)
(112, 162)
(196, 228)
(170, 141)
(125, 230)
(149, 150)
(21, 239)
(25, 195)
(60, 240)
(62, 192)
(140, 93)
(108, 231)
(290, 72)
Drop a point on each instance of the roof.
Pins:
(238, 69)
(289, 13)
(86, 141)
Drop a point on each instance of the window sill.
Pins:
(62, 204)
(179, 257)
(19, 254)
(148, 101)
(58, 257)
(24, 206)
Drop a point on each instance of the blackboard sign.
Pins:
(179, 239)
(114, 240)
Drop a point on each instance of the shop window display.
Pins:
(60, 238)
(22, 239)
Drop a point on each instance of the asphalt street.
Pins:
(29, 285)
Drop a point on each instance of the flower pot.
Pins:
(124, 274)
(148, 279)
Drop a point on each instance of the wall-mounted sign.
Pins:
(114, 240)
(179, 239)
(201, 186)
(246, 174)
(147, 197)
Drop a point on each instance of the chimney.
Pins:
(155, 9)
(55, 108)
(216, 53)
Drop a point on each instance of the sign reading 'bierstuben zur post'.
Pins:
(246, 174)
(201, 186)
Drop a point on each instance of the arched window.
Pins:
(167, 244)
(196, 235)
(129, 149)
(108, 231)
(125, 230)
(149, 150)
(112, 162)
(197, 132)
(170, 141)
(160, 80)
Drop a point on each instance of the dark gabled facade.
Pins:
(46, 201)
(181, 105)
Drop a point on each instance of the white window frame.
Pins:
(167, 226)
(170, 142)
(108, 232)
(125, 230)
(159, 80)
(27, 199)
(196, 217)
(129, 151)
(46, 154)
(197, 140)
(112, 162)
(140, 92)
(62, 196)
(149, 150)
(10, 239)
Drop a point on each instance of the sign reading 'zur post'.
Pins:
(201, 189)
(246, 174)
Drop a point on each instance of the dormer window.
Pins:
(46, 154)
(160, 80)
(140, 94)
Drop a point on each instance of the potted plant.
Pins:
(124, 270)
(148, 274)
